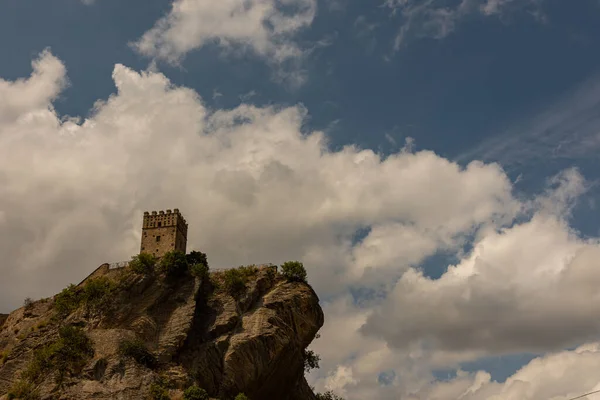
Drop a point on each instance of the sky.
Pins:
(432, 163)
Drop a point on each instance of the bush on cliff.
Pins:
(159, 392)
(199, 270)
(23, 390)
(137, 350)
(66, 356)
(329, 395)
(97, 293)
(197, 257)
(293, 271)
(68, 300)
(195, 393)
(173, 264)
(234, 281)
(311, 360)
(241, 396)
(143, 263)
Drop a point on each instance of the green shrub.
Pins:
(329, 395)
(137, 350)
(241, 396)
(199, 270)
(96, 293)
(28, 304)
(233, 281)
(293, 271)
(159, 392)
(67, 355)
(311, 360)
(3, 357)
(248, 271)
(197, 257)
(173, 264)
(143, 263)
(195, 393)
(198, 264)
(272, 272)
(23, 390)
(68, 300)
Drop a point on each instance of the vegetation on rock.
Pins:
(293, 271)
(95, 296)
(143, 263)
(67, 301)
(65, 356)
(329, 395)
(23, 390)
(137, 350)
(197, 257)
(195, 393)
(311, 360)
(233, 281)
(173, 264)
(28, 303)
(158, 392)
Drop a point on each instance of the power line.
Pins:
(583, 395)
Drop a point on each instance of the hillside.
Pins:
(152, 335)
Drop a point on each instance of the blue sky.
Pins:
(513, 82)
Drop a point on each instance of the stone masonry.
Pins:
(163, 232)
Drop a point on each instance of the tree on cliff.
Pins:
(293, 271)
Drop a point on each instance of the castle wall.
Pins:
(107, 270)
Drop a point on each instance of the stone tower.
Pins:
(163, 232)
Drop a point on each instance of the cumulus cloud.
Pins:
(35, 94)
(252, 185)
(437, 19)
(266, 27)
(530, 287)
(557, 376)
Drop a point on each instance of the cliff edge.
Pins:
(128, 335)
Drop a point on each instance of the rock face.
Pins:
(199, 334)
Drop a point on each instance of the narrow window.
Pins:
(159, 224)
(158, 238)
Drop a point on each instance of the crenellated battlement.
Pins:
(159, 219)
(163, 231)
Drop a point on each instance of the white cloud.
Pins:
(437, 19)
(556, 376)
(35, 94)
(530, 287)
(253, 187)
(267, 27)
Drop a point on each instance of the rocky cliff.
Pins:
(145, 336)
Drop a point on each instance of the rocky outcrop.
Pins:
(199, 334)
(3, 318)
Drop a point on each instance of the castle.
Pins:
(163, 232)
